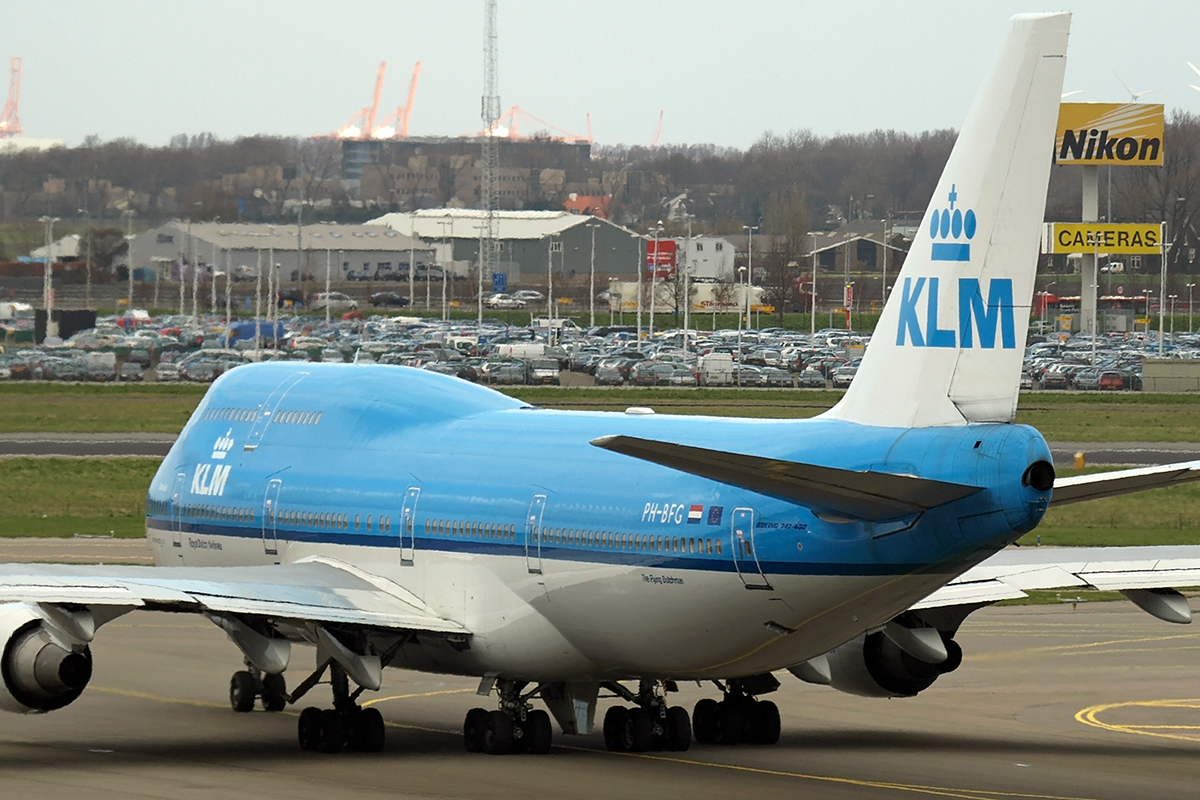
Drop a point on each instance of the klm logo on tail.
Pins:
(977, 322)
(953, 225)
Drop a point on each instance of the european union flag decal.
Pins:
(714, 514)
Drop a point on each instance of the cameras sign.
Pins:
(1102, 237)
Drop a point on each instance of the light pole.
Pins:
(813, 289)
(742, 272)
(749, 229)
(128, 214)
(657, 231)
(641, 267)
(1190, 286)
(687, 294)
(87, 302)
(48, 277)
(593, 224)
(448, 240)
(1172, 299)
(612, 290)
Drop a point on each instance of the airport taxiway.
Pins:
(1050, 702)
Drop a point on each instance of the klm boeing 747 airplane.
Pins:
(389, 516)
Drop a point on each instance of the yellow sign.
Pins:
(1102, 237)
(1125, 134)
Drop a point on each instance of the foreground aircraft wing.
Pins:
(1134, 571)
(1126, 481)
(849, 493)
(318, 590)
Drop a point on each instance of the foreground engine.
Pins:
(46, 663)
(873, 665)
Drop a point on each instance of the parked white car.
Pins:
(335, 300)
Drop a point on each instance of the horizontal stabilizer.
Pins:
(846, 493)
(1126, 481)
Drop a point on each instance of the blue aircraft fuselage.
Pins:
(504, 517)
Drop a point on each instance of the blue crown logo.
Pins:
(952, 223)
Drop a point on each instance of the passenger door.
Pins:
(270, 517)
(177, 513)
(741, 545)
(408, 526)
(533, 534)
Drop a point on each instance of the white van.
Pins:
(716, 369)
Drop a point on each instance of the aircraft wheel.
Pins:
(538, 732)
(704, 721)
(243, 690)
(766, 722)
(637, 734)
(498, 734)
(728, 723)
(309, 729)
(679, 729)
(274, 692)
(473, 728)
(332, 727)
(368, 731)
(614, 728)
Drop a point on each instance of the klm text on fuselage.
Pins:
(978, 321)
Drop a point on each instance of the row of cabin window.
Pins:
(297, 418)
(470, 530)
(628, 541)
(314, 519)
(220, 513)
(231, 414)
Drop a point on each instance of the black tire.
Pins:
(766, 722)
(728, 727)
(498, 734)
(274, 692)
(638, 732)
(679, 729)
(243, 691)
(332, 726)
(473, 727)
(703, 721)
(369, 733)
(539, 734)
(309, 729)
(614, 728)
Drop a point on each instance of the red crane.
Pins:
(10, 124)
(400, 119)
(362, 124)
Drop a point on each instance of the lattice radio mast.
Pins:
(489, 195)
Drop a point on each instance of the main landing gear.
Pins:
(516, 727)
(650, 724)
(739, 718)
(252, 684)
(346, 726)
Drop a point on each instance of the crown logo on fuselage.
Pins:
(954, 225)
(223, 445)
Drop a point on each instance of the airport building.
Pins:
(531, 242)
(351, 251)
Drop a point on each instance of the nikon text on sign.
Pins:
(1110, 133)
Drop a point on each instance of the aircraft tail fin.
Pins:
(949, 344)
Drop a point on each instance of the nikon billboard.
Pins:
(1124, 134)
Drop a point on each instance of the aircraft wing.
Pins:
(318, 590)
(1126, 481)
(849, 493)
(1133, 571)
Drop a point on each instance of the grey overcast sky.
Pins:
(723, 72)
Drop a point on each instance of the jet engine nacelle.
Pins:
(40, 674)
(872, 665)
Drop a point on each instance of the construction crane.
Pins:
(10, 123)
(396, 125)
(658, 129)
(362, 124)
(508, 126)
